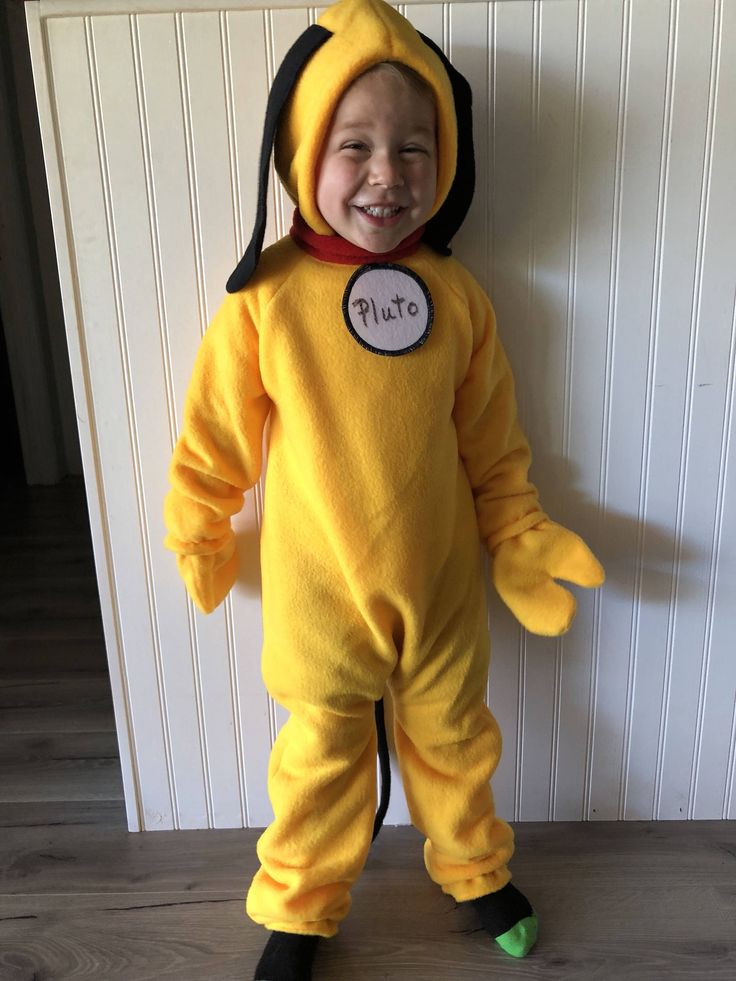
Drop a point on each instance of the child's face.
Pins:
(378, 170)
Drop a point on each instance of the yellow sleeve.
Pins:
(218, 454)
(492, 446)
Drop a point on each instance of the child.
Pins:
(393, 449)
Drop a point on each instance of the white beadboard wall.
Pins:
(604, 227)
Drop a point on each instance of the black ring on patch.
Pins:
(369, 267)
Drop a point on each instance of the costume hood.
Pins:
(349, 38)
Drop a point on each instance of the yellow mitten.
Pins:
(525, 568)
(210, 577)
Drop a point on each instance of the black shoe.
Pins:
(287, 957)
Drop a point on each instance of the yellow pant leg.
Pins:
(322, 783)
(324, 661)
(449, 744)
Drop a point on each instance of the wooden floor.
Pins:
(81, 899)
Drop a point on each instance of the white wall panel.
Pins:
(715, 380)
(509, 220)
(710, 387)
(673, 396)
(640, 218)
(108, 406)
(603, 227)
(163, 144)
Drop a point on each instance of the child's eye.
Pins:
(353, 145)
(413, 149)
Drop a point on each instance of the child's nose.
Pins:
(386, 170)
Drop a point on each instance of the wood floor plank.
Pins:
(47, 629)
(66, 564)
(81, 859)
(70, 600)
(65, 718)
(16, 815)
(34, 747)
(46, 653)
(67, 779)
(65, 702)
(50, 690)
(204, 941)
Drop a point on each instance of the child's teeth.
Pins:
(381, 212)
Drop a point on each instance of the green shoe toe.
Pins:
(520, 939)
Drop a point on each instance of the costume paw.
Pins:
(209, 578)
(525, 569)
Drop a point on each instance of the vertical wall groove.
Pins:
(565, 449)
(201, 727)
(612, 321)
(272, 62)
(235, 708)
(237, 237)
(654, 334)
(520, 716)
(569, 322)
(633, 647)
(632, 659)
(580, 73)
(721, 515)
(239, 249)
(556, 723)
(163, 324)
(730, 783)
(696, 315)
(231, 141)
(186, 110)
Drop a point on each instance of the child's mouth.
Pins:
(375, 211)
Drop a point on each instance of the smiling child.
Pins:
(394, 454)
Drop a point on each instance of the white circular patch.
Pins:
(388, 308)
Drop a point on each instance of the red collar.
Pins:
(334, 248)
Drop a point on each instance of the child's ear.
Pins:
(297, 56)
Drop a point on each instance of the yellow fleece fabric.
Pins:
(384, 476)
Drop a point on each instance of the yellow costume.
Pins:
(388, 462)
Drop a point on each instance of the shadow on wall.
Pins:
(563, 232)
(247, 542)
(629, 548)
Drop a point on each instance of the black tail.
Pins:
(385, 764)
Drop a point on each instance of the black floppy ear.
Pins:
(297, 56)
(441, 228)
